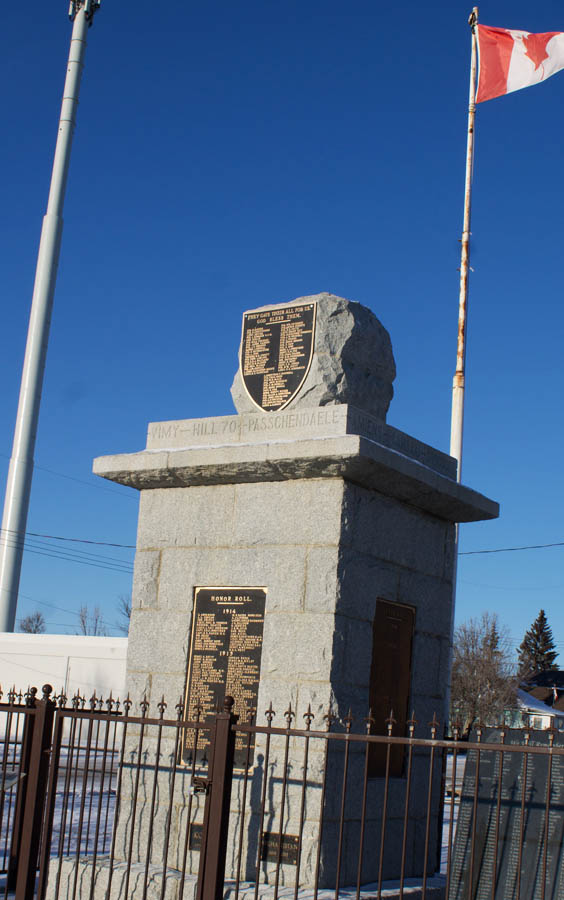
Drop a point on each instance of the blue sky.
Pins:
(231, 155)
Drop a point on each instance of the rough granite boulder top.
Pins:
(352, 360)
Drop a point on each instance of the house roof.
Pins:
(530, 703)
(547, 678)
(544, 694)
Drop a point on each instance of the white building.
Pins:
(67, 662)
(537, 714)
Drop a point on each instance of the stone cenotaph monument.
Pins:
(302, 550)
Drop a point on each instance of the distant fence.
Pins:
(101, 800)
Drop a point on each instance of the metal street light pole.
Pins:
(20, 472)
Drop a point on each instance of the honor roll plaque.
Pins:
(225, 654)
(277, 349)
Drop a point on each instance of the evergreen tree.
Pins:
(537, 651)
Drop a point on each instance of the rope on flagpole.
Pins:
(457, 416)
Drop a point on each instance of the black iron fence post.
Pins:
(211, 873)
(25, 756)
(51, 790)
(34, 786)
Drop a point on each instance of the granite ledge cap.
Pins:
(293, 425)
(351, 457)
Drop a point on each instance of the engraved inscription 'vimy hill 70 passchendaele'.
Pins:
(276, 352)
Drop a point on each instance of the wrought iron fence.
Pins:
(104, 800)
(19, 709)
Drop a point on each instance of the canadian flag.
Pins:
(510, 60)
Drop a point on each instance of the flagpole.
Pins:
(20, 472)
(457, 414)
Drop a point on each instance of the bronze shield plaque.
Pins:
(277, 349)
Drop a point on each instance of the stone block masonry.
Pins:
(326, 549)
(336, 515)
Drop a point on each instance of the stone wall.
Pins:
(329, 509)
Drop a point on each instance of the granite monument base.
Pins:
(341, 520)
(178, 888)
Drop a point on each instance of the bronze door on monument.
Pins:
(390, 678)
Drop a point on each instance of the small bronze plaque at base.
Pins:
(195, 838)
(270, 848)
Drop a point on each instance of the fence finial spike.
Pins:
(270, 714)
(434, 724)
(289, 715)
(30, 695)
(390, 722)
(228, 703)
(329, 717)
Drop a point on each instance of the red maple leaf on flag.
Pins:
(536, 46)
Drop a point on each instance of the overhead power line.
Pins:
(512, 549)
(47, 549)
(99, 487)
(70, 612)
(67, 551)
(55, 537)
(41, 548)
(75, 540)
(116, 491)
